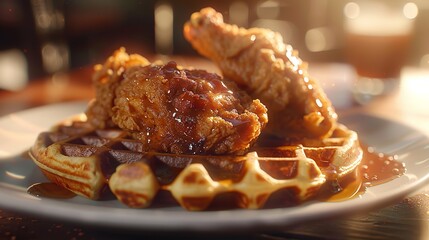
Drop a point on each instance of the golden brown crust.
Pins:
(81, 175)
(105, 80)
(258, 61)
(186, 111)
(174, 110)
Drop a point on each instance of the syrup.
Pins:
(375, 169)
(49, 190)
(378, 168)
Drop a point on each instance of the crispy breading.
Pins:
(261, 63)
(105, 79)
(187, 111)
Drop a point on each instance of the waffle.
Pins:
(93, 163)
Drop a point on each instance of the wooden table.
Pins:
(407, 219)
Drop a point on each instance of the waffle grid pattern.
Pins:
(86, 161)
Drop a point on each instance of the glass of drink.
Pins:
(377, 39)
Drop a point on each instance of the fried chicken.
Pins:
(178, 111)
(105, 79)
(261, 63)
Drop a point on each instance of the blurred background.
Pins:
(43, 37)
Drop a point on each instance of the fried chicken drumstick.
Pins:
(177, 110)
(269, 70)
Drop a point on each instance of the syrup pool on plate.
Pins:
(375, 169)
(49, 190)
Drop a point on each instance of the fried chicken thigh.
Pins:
(261, 63)
(178, 111)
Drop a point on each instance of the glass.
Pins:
(377, 40)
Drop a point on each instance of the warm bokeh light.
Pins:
(55, 57)
(410, 10)
(239, 13)
(315, 40)
(164, 28)
(424, 61)
(13, 70)
(414, 86)
(319, 39)
(351, 10)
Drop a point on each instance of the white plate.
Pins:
(19, 130)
